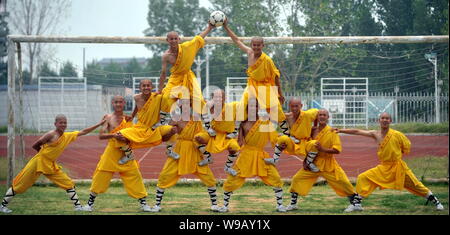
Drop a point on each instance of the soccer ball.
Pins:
(217, 18)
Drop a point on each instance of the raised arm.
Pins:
(365, 133)
(280, 92)
(163, 75)
(135, 110)
(89, 129)
(235, 39)
(206, 31)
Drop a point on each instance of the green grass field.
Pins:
(253, 199)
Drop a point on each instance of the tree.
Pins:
(4, 31)
(185, 17)
(304, 65)
(29, 17)
(415, 17)
(46, 71)
(68, 70)
(133, 67)
(94, 74)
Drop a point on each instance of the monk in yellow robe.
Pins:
(188, 161)
(108, 164)
(250, 163)
(182, 82)
(392, 172)
(141, 135)
(223, 124)
(328, 144)
(49, 146)
(301, 123)
(263, 82)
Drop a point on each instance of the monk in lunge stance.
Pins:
(392, 172)
(182, 83)
(263, 82)
(328, 145)
(255, 134)
(141, 135)
(187, 163)
(223, 115)
(301, 125)
(109, 160)
(50, 146)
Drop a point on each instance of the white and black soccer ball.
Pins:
(217, 18)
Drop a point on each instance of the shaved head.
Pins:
(219, 92)
(59, 117)
(145, 81)
(385, 114)
(118, 97)
(295, 100)
(172, 34)
(324, 111)
(257, 39)
(322, 116)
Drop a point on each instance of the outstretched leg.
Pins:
(74, 198)
(8, 197)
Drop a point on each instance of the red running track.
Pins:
(358, 155)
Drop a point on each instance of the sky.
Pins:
(92, 18)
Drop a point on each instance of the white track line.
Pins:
(296, 158)
(145, 155)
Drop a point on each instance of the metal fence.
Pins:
(404, 107)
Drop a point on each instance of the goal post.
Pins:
(13, 42)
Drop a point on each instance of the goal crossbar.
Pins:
(228, 40)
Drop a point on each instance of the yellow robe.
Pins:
(392, 170)
(223, 125)
(327, 138)
(44, 162)
(251, 158)
(182, 83)
(251, 162)
(304, 180)
(190, 156)
(50, 152)
(108, 165)
(302, 131)
(261, 84)
(112, 154)
(141, 134)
